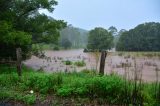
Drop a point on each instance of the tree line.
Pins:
(21, 25)
(144, 37)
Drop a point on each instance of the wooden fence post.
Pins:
(19, 61)
(102, 62)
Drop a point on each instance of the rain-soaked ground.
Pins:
(146, 67)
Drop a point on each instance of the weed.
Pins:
(86, 71)
(67, 62)
(80, 63)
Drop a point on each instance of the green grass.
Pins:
(83, 84)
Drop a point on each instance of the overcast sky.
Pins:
(123, 14)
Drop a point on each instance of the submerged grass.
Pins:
(111, 88)
(80, 63)
(138, 54)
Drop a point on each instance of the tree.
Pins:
(100, 39)
(11, 39)
(113, 30)
(121, 31)
(78, 37)
(44, 28)
(66, 44)
(144, 37)
(21, 24)
(116, 38)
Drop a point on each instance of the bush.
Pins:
(8, 80)
(37, 50)
(41, 83)
(80, 63)
(29, 99)
(67, 62)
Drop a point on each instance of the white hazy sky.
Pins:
(123, 14)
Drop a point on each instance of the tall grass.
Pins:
(80, 63)
(136, 90)
(112, 88)
(138, 54)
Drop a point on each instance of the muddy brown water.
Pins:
(144, 66)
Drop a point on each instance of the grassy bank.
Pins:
(109, 89)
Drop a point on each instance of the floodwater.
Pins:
(145, 67)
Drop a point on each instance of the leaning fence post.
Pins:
(19, 60)
(102, 62)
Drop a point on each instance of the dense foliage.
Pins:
(144, 37)
(86, 84)
(100, 39)
(10, 39)
(21, 24)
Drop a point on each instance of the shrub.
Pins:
(8, 80)
(29, 99)
(42, 83)
(65, 91)
(80, 63)
(67, 62)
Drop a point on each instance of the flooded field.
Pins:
(146, 67)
